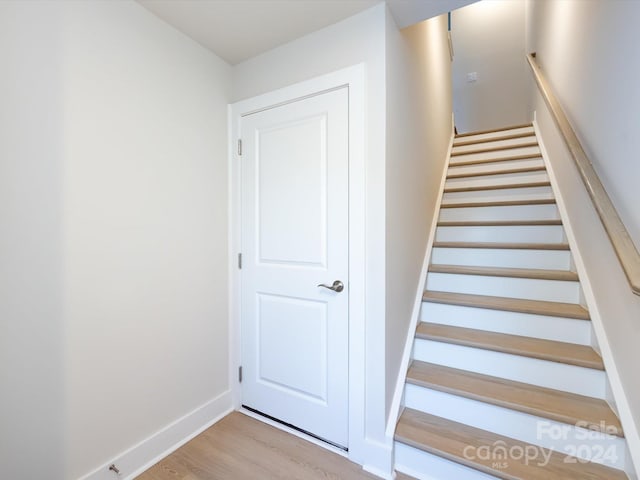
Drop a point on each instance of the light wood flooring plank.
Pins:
(402, 476)
(239, 447)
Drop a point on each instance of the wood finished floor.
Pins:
(239, 447)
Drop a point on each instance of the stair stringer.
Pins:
(616, 396)
(396, 404)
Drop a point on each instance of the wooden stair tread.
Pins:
(495, 149)
(533, 273)
(570, 408)
(450, 440)
(499, 223)
(506, 186)
(503, 245)
(550, 350)
(455, 441)
(502, 129)
(512, 136)
(535, 307)
(486, 173)
(501, 203)
(466, 163)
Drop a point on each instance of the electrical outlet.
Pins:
(472, 77)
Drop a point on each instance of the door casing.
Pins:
(353, 78)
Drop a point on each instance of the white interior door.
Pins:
(295, 237)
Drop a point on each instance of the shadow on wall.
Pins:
(490, 76)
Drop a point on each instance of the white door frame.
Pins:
(353, 77)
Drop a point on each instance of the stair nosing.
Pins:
(494, 398)
(529, 273)
(499, 223)
(439, 428)
(496, 342)
(501, 203)
(511, 158)
(495, 149)
(504, 186)
(503, 245)
(539, 168)
(513, 136)
(533, 307)
(493, 130)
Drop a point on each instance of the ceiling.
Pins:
(239, 29)
(236, 30)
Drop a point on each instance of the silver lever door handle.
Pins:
(337, 286)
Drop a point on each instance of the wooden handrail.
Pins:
(618, 235)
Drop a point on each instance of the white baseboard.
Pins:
(151, 450)
(379, 473)
(379, 459)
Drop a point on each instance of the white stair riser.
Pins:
(495, 154)
(511, 212)
(493, 180)
(545, 290)
(501, 133)
(493, 166)
(560, 376)
(501, 195)
(517, 234)
(513, 323)
(425, 466)
(494, 143)
(507, 258)
(561, 437)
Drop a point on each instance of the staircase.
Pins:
(504, 380)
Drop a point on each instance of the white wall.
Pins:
(587, 51)
(32, 334)
(114, 247)
(488, 38)
(117, 186)
(418, 136)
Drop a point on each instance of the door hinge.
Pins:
(240, 147)
(240, 374)
(240, 261)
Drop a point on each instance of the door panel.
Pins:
(292, 318)
(295, 237)
(286, 184)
